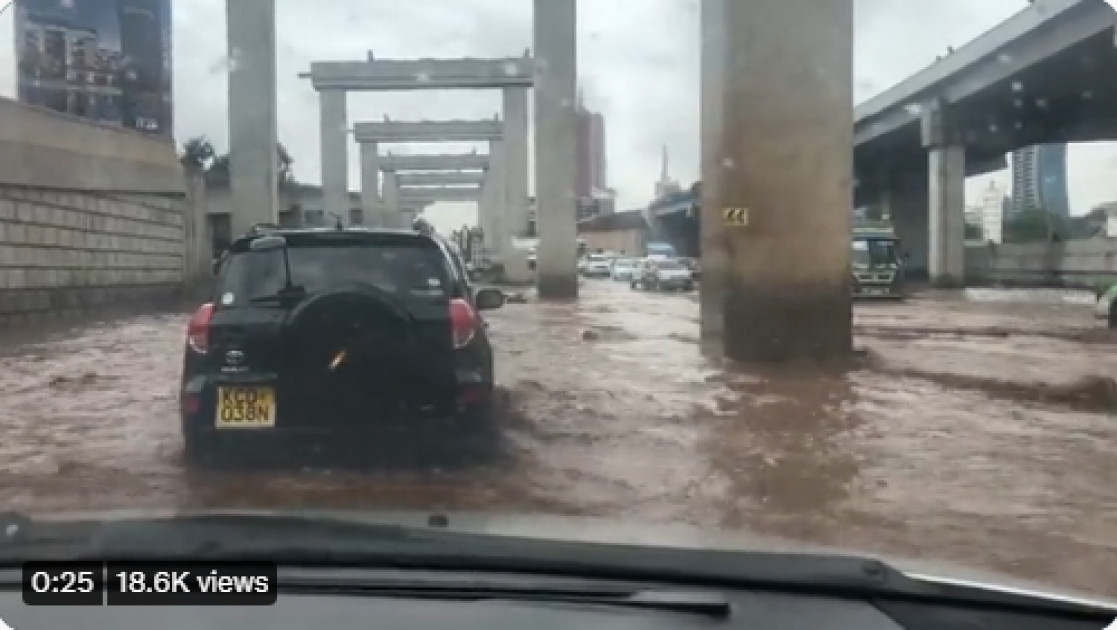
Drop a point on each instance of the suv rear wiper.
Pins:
(287, 295)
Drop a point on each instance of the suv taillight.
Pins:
(197, 331)
(463, 322)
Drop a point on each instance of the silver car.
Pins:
(623, 269)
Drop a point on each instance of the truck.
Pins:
(660, 250)
(876, 267)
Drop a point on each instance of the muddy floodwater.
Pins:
(980, 433)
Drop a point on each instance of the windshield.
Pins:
(404, 271)
(723, 273)
(874, 253)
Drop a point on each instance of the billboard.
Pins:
(105, 60)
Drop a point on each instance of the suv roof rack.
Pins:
(423, 227)
(262, 228)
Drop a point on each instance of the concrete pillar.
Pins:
(197, 260)
(335, 151)
(787, 125)
(946, 196)
(496, 232)
(391, 207)
(947, 229)
(253, 134)
(491, 195)
(516, 160)
(556, 54)
(907, 206)
(370, 184)
(714, 258)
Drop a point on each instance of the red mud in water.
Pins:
(977, 434)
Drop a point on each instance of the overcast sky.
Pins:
(638, 61)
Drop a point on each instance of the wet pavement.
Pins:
(977, 433)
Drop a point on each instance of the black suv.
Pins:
(320, 332)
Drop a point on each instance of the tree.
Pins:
(197, 153)
(219, 166)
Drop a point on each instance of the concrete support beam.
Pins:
(556, 52)
(714, 257)
(392, 208)
(422, 74)
(253, 133)
(947, 230)
(370, 185)
(436, 162)
(429, 131)
(335, 152)
(431, 194)
(516, 162)
(450, 178)
(786, 133)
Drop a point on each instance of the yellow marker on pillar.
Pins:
(736, 216)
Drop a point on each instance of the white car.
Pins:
(624, 268)
(662, 275)
(597, 266)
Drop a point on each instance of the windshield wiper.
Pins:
(690, 602)
(286, 295)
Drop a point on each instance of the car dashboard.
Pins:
(399, 600)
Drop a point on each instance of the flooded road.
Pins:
(981, 434)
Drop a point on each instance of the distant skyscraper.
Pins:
(992, 213)
(1039, 179)
(665, 186)
(592, 171)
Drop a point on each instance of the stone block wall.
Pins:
(91, 217)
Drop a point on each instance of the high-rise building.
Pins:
(592, 181)
(142, 46)
(992, 213)
(665, 186)
(1039, 179)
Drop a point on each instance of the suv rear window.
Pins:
(408, 271)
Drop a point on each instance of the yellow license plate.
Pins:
(245, 407)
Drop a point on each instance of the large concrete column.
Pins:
(391, 207)
(556, 54)
(253, 134)
(714, 258)
(516, 160)
(946, 197)
(370, 184)
(492, 194)
(787, 125)
(907, 206)
(947, 230)
(496, 233)
(335, 151)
